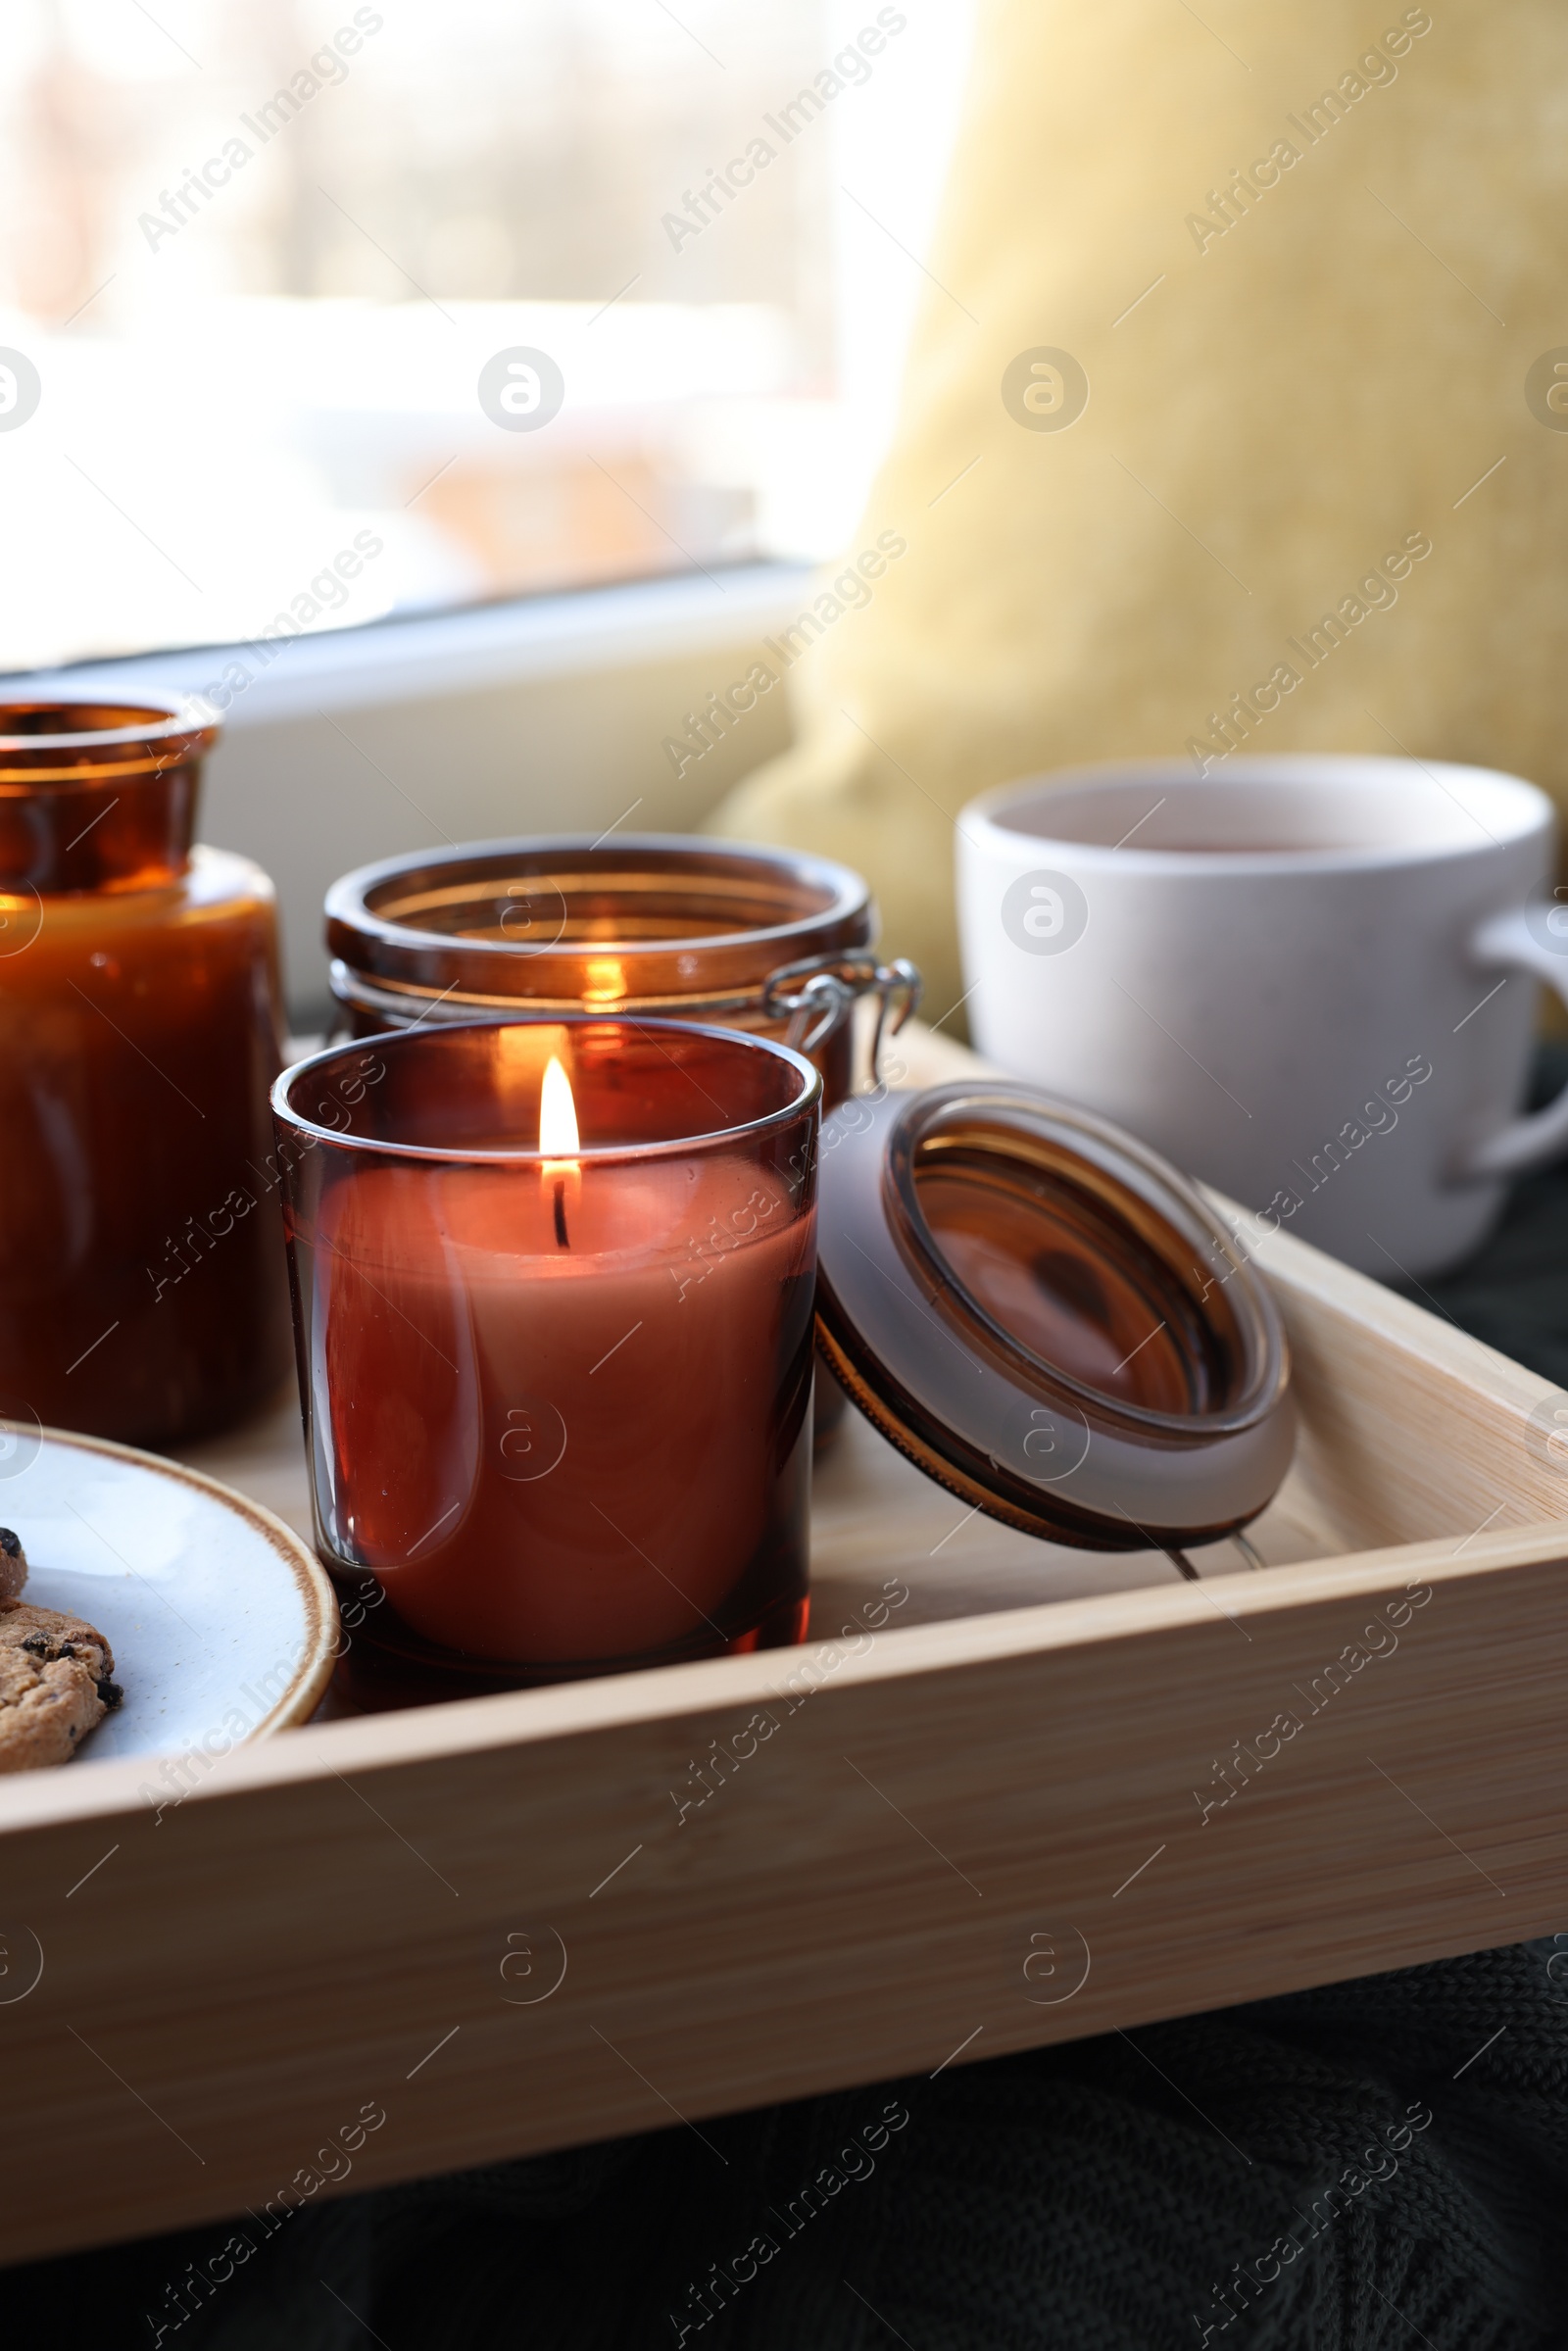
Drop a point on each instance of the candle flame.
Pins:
(558, 1115)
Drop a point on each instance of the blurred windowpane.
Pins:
(312, 312)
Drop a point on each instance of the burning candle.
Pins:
(553, 1290)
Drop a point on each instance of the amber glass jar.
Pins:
(143, 1291)
(656, 926)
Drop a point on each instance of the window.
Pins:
(314, 311)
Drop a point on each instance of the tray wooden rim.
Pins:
(527, 1718)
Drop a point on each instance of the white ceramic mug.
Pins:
(1309, 981)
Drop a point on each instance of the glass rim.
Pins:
(808, 1096)
(348, 902)
(166, 716)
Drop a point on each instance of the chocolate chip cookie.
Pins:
(56, 1684)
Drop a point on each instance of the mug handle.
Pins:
(1507, 942)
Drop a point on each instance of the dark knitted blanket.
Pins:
(1374, 2167)
(1359, 2180)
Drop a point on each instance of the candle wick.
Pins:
(560, 1212)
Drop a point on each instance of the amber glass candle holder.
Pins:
(142, 1290)
(553, 1292)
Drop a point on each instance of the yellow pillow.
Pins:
(1237, 416)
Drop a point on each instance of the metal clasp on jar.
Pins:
(818, 996)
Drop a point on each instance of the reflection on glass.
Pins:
(1071, 1286)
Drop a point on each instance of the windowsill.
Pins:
(468, 650)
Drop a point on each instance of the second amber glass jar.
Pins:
(143, 1291)
(656, 926)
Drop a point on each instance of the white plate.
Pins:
(222, 1624)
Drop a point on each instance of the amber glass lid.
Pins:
(1049, 1319)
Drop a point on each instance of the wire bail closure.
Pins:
(818, 996)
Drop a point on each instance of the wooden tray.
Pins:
(974, 1824)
